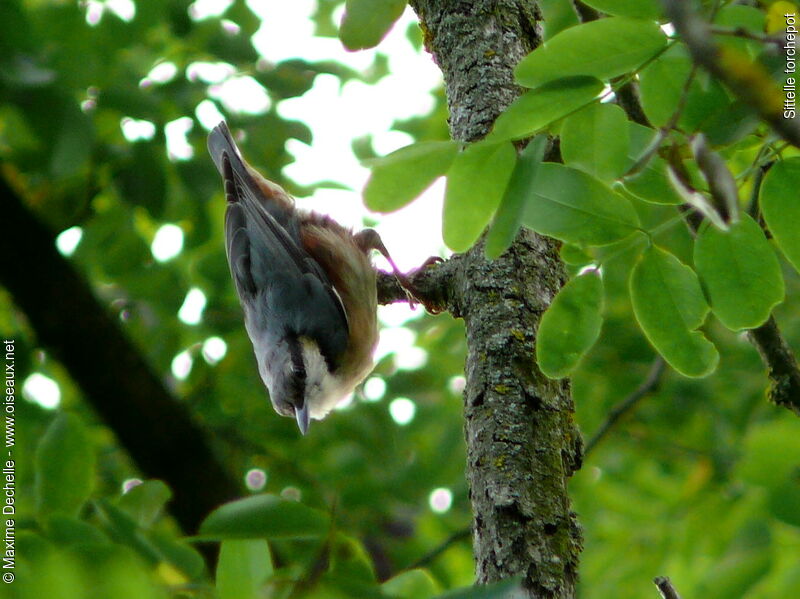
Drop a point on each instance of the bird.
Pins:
(306, 285)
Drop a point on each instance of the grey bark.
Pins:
(522, 442)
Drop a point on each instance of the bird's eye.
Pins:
(285, 409)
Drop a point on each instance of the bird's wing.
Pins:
(271, 270)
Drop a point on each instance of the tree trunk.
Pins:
(522, 442)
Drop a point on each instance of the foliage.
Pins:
(571, 325)
(610, 163)
(700, 484)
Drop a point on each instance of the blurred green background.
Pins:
(701, 483)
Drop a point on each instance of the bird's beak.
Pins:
(301, 414)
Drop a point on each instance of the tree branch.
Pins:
(782, 365)
(585, 13)
(665, 586)
(151, 425)
(430, 285)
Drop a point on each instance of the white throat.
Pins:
(323, 389)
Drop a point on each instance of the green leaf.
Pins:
(400, 177)
(124, 530)
(112, 571)
(145, 502)
(536, 109)
(68, 530)
(15, 31)
(557, 16)
(669, 305)
(176, 552)
(780, 205)
(508, 219)
(111, 243)
(740, 272)
(570, 326)
(412, 584)
(571, 206)
(596, 140)
(651, 184)
(64, 466)
(294, 77)
(142, 179)
(332, 586)
(707, 103)
(154, 545)
(366, 22)
(769, 460)
(746, 17)
(264, 516)
(742, 18)
(48, 571)
(602, 49)
(645, 9)
(243, 567)
(730, 124)
(744, 563)
(349, 560)
(73, 145)
(661, 86)
(475, 184)
(574, 255)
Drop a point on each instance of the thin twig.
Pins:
(454, 538)
(765, 155)
(665, 586)
(662, 443)
(751, 82)
(777, 40)
(585, 13)
(649, 384)
(649, 151)
(662, 133)
(628, 99)
(753, 206)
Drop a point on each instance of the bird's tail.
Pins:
(270, 195)
(220, 143)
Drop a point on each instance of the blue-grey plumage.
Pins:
(306, 286)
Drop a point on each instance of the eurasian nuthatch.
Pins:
(307, 289)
